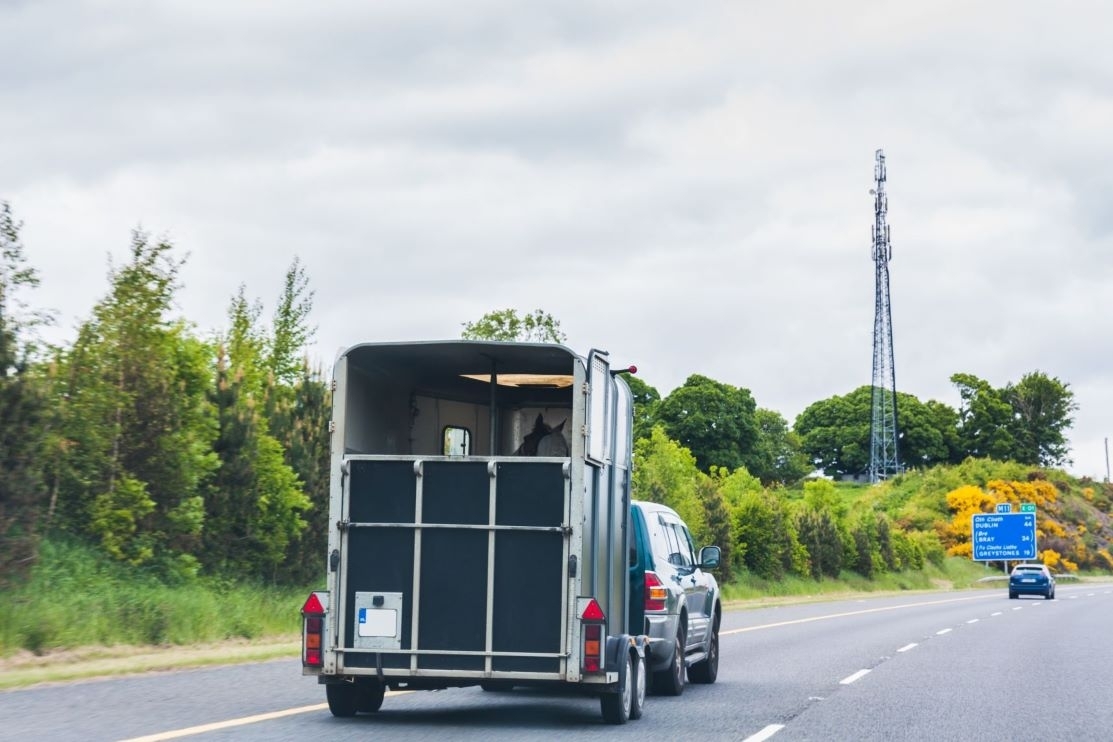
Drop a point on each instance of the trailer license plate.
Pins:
(377, 621)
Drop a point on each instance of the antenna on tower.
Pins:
(883, 422)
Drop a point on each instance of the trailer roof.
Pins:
(464, 364)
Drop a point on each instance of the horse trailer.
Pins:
(479, 516)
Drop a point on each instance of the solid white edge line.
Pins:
(231, 723)
(941, 632)
(906, 647)
(856, 676)
(765, 734)
(217, 725)
(829, 616)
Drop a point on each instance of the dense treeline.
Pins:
(171, 452)
(183, 455)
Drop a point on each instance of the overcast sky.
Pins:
(683, 184)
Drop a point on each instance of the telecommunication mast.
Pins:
(883, 422)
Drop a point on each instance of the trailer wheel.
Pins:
(616, 707)
(637, 699)
(670, 681)
(343, 699)
(370, 697)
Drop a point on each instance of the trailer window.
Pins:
(457, 441)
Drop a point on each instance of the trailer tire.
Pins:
(616, 707)
(670, 681)
(370, 697)
(343, 699)
(637, 697)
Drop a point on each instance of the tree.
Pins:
(985, 419)
(819, 534)
(137, 421)
(1042, 407)
(777, 456)
(715, 421)
(303, 429)
(766, 540)
(291, 331)
(646, 399)
(22, 411)
(835, 432)
(506, 325)
(666, 472)
(255, 500)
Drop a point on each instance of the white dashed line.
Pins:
(973, 620)
(906, 647)
(941, 632)
(856, 676)
(998, 613)
(765, 734)
(1017, 608)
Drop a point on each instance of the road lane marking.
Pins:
(941, 632)
(973, 620)
(996, 613)
(232, 723)
(1017, 608)
(856, 676)
(852, 613)
(765, 734)
(906, 647)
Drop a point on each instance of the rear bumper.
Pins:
(661, 630)
(1028, 588)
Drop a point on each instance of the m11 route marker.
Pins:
(1004, 536)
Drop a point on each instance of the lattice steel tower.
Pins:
(883, 423)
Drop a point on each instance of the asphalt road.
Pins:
(944, 666)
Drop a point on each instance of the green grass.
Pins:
(76, 597)
(954, 573)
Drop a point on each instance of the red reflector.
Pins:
(593, 612)
(313, 605)
(313, 657)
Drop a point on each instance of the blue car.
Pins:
(1031, 579)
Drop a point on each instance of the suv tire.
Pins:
(670, 681)
(707, 670)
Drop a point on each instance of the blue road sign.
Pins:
(1004, 507)
(1000, 536)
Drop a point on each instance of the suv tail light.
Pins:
(655, 592)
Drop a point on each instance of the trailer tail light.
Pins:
(593, 620)
(655, 592)
(313, 630)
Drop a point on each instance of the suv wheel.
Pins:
(670, 681)
(707, 670)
